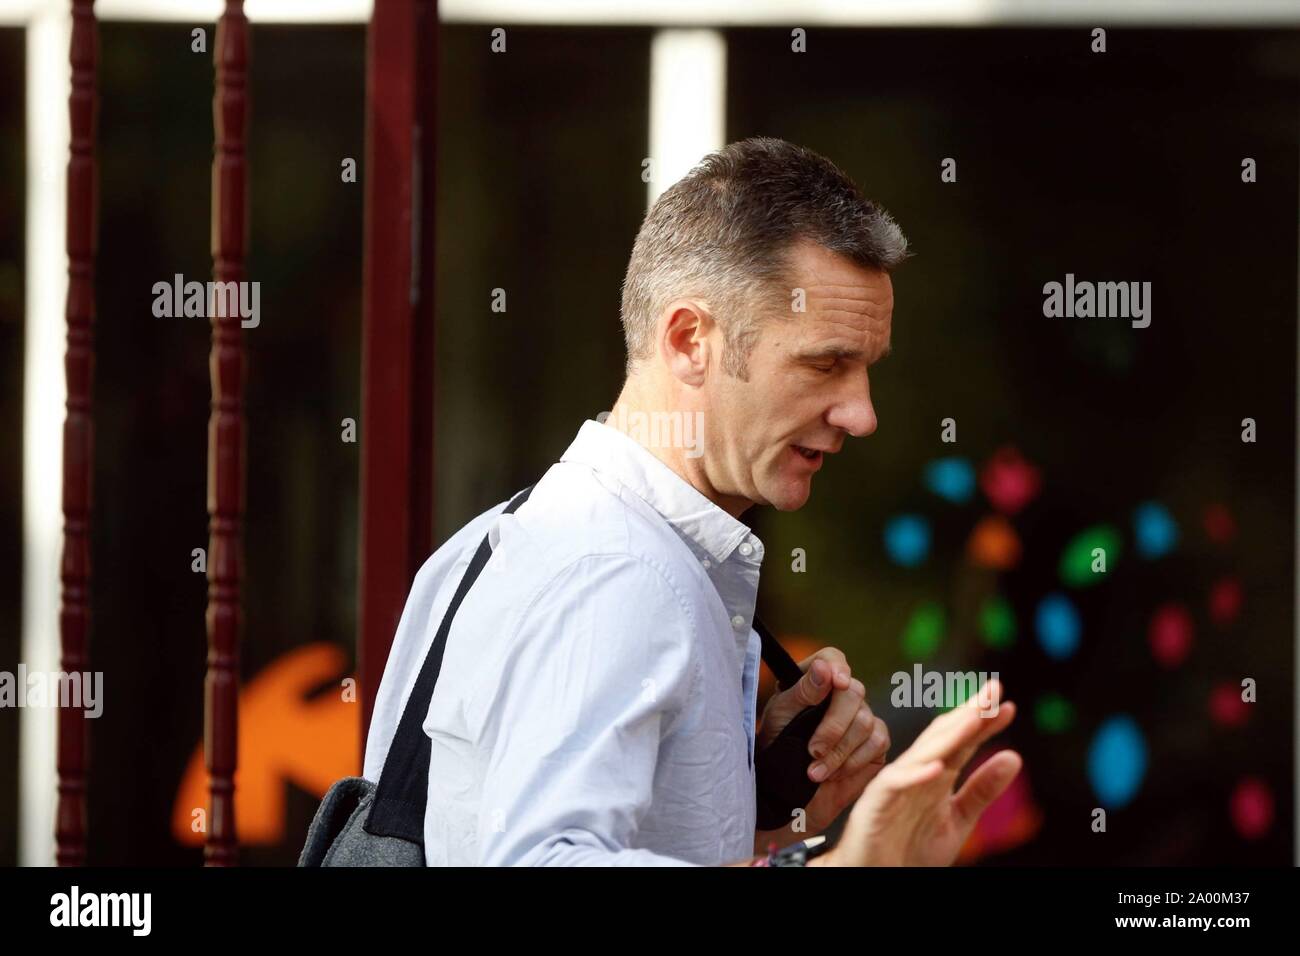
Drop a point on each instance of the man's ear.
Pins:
(686, 341)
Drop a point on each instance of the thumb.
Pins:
(986, 783)
(816, 683)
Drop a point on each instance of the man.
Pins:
(597, 698)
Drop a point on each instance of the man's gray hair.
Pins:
(725, 231)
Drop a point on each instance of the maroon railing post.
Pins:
(78, 430)
(226, 435)
(397, 325)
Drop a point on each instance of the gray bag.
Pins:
(337, 835)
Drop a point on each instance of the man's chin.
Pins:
(791, 496)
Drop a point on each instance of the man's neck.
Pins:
(638, 417)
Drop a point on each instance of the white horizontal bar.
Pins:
(793, 13)
(18, 13)
(257, 11)
(718, 13)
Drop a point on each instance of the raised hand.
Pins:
(909, 815)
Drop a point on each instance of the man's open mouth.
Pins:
(810, 453)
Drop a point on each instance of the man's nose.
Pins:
(854, 413)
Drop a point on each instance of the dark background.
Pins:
(1122, 166)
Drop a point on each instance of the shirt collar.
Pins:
(606, 449)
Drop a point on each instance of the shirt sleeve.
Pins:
(599, 669)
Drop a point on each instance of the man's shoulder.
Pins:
(575, 514)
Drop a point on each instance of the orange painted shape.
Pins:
(284, 736)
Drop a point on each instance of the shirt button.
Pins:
(737, 621)
(746, 548)
(707, 563)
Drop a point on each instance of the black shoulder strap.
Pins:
(782, 665)
(400, 798)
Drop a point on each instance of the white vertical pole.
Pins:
(49, 83)
(688, 76)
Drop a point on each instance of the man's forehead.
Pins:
(851, 322)
(837, 283)
(853, 305)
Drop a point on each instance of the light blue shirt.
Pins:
(596, 704)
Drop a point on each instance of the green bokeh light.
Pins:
(1077, 559)
(1053, 714)
(997, 623)
(924, 632)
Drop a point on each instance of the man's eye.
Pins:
(825, 369)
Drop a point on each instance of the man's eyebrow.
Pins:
(837, 352)
(829, 351)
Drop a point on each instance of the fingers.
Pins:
(872, 750)
(821, 679)
(846, 726)
(988, 782)
(948, 735)
(991, 727)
